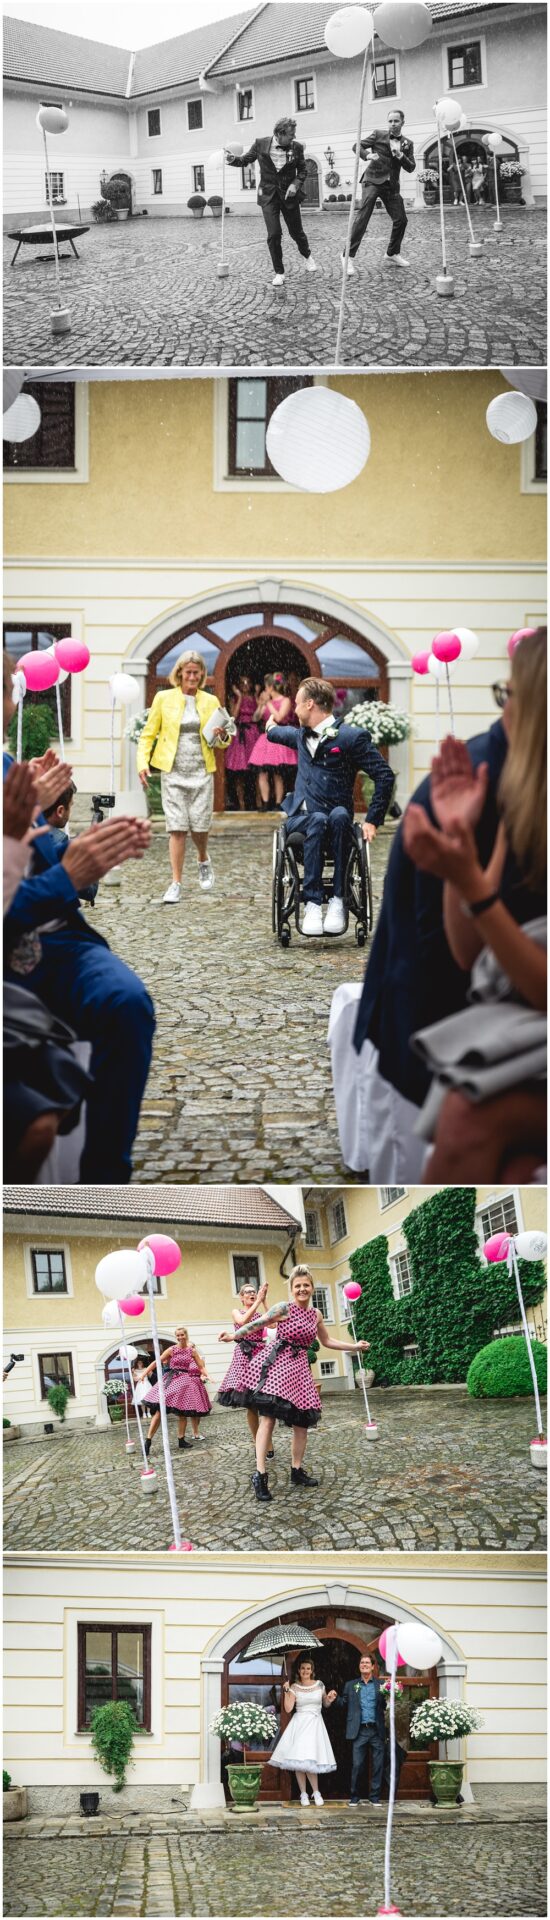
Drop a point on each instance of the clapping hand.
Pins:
(450, 856)
(458, 790)
(51, 777)
(94, 853)
(19, 801)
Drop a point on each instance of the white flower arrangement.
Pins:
(135, 726)
(444, 1720)
(386, 724)
(245, 1721)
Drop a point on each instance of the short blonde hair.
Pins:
(184, 1331)
(185, 660)
(300, 1273)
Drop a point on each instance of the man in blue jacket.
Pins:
(363, 1702)
(329, 757)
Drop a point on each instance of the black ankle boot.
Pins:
(187, 1444)
(147, 1448)
(260, 1486)
(299, 1478)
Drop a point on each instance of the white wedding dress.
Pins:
(305, 1745)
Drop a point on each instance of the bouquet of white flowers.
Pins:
(444, 1720)
(386, 725)
(135, 726)
(247, 1722)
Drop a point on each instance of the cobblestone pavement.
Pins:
(240, 1087)
(463, 1863)
(146, 293)
(447, 1473)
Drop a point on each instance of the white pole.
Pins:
(451, 714)
(124, 1356)
(363, 1382)
(113, 703)
(59, 719)
(20, 727)
(464, 193)
(352, 211)
(525, 1325)
(437, 713)
(223, 208)
(163, 1415)
(391, 1801)
(498, 221)
(52, 218)
(441, 211)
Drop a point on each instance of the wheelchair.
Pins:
(287, 891)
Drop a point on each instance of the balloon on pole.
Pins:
(403, 23)
(151, 1259)
(352, 1292)
(511, 418)
(124, 688)
(522, 633)
(19, 688)
(166, 1252)
(349, 32)
(40, 669)
(496, 146)
(391, 1657)
(12, 382)
(419, 1645)
(475, 246)
(529, 1246)
(318, 440)
(54, 120)
(21, 419)
(420, 664)
(117, 1274)
(446, 648)
(447, 116)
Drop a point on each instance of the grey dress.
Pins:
(188, 790)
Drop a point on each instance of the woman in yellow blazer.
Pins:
(173, 740)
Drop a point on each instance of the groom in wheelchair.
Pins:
(321, 807)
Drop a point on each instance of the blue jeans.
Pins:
(368, 1737)
(320, 828)
(107, 1004)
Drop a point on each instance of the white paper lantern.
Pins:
(11, 385)
(348, 32)
(52, 120)
(124, 688)
(403, 23)
(449, 113)
(418, 1645)
(318, 440)
(110, 1314)
(22, 419)
(469, 642)
(121, 1273)
(511, 417)
(531, 1246)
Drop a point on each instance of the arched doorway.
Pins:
(274, 637)
(114, 1373)
(471, 150)
(344, 1633)
(311, 189)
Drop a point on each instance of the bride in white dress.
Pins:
(304, 1748)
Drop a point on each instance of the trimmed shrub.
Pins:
(6, 1423)
(7, 1780)
(502, 1369)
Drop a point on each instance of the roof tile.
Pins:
(227, 1206)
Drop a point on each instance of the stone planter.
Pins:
(430, 197)
(12, 1433)
(15, 1803)
(446, 1780)
(116, 1411)
(244, 1786)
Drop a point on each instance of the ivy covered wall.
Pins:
(456, 1301)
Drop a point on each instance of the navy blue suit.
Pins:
(103, 999)
(411, 978)
(364, 1736)
(322, 801)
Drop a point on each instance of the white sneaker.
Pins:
(395, 260)
(172, 895)
(351, 268)
(318, 1798)
(206, 875)
(304, 1800)
(312, 922)
(278, 280)
(335, 917)
(310, 265)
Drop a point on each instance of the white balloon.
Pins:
(110, 1315)
(438, 669)
(469, 642)
(464, 122)
(50, 654)
(418, 1645)
(131, 1353)
(216, 159)
(22, 419)
(348, 32)
(531, 380)
(318, 440)
(12, 383)
(403, 23)
(52, 119)
(511, 417)
(495, 143)
(531, 1246)
(121, 1273)
(124, 688)
(449, 113)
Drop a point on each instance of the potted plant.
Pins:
(114, 1395)
(511, 173)
(15, 1800)
(153, 794)
(58, 1397)
(429, 180)
(387, 726)
(118, 193)
(216, 205)
(103, 212)
(10, 1433)
(445, 1720)
(245, 1721)
(113, 1729)
(197, 204)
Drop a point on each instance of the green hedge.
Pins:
(502, 1369)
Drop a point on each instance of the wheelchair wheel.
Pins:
(285, 937)
(358, 886)
(360, 934)
(284, 890)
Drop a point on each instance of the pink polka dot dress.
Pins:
(183, 1387)
(282, 1383)
(237, 1383)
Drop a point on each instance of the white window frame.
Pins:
(224, 482)
(400, 1253)
(384, 1205)
(54, 1244)
(154, 136)
(336, 1238)
(75, 1616)
(322, 1287)
(76, 476)
(245, 1253)
(198, 166)
(196, 101)
(528, 482)
(473, 86)
(496, 1200)
(385, 99)
(313, 1245)
(345, 1306)
(58, 1344)
(328, 1369)
(59, 199)
(296, 110)
(155, 195)
(249, 122)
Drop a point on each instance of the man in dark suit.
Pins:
(363, 1702)
(329, 757)
(283, 174)
(386, 151)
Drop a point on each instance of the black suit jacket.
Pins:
(350, 1700)
(382, 164)
(328, 780)
(274, 183)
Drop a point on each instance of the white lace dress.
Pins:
(305, 1744)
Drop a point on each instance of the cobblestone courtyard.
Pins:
(146, 293)
(447, 1473)
(475, 1862)
(240, 1087)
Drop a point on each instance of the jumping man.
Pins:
(283, 174)
(385, 152)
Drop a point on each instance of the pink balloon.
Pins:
(497, 1247)
(40, 669)
(419, 662)
(446, 647)
(385, 1647)
(133, 1305)
(167, 1254)
(523, 633)
(72, 654)
(351, 1290)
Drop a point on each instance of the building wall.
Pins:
(97, 140)
(489, 1610)
(127, 555)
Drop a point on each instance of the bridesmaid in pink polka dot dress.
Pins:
(281, 1382)
(236, 1384)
